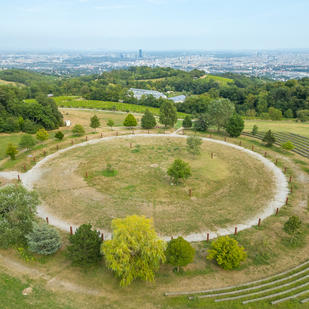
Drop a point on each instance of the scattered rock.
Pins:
(172, 184)
(27, 291)
(154, 165)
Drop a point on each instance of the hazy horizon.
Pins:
(154, 25)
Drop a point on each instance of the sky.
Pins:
(122, 25)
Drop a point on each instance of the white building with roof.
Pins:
(138, 93)
(178, 99)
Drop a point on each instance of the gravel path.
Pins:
(279, 181)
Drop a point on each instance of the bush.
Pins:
(264, 116)
(275, 114)
(179, 252)
(43, 239)
(287, 145)
(78, 129)
(11, 150)
(235, 125)
(226, 252)
(110, 171)
(59, 135)
(85, 246)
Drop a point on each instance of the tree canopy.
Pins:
(235, 125)
(148, 120)
(168, 114)
(194, 144)
(94, 122)
(130, 121)
(135, 251)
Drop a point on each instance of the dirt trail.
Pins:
(281, 191)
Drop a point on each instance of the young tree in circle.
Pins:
(95, 122)
(179, 252)
(110, 123)
(235, 125)
(11, 150)
(194, 144)
(179, 169)
(201, 123)
(148, 120)
(269, 139)
(255, 130)
(130, 121)
(135, 251)
(187, 122)
(168, 114)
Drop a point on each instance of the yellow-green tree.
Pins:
(11, 151)
(226, 252)
(135, 251)
(42, 135)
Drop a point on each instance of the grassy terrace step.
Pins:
(304, 265)
(277, 294)
(298, 149)
(260, 286)
(289, 297)
(265, 291)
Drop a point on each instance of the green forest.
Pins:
(252, 96)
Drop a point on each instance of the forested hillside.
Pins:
(252, 96)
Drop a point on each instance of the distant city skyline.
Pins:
(153, 25)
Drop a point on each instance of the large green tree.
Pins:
(220, 111)
(17, 213)
(44, 239)
(148, 120)
(179, 252)
(179, 169)
(130, 121)
(135, 250)
(168, 114)
(235, 125)
(201, 123)
(85, 246)
(187, 122)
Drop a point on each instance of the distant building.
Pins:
(140, 54)
(50, 95)
(138, 93)
(67, 123)
(178, 99)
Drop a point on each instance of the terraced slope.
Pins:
(301, 143)
(289, 284)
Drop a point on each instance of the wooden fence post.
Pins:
(240, 143)
(71, 230)
(277, 211)
(130, 145)
(44, 153)
(265, 154)
(290, 178)
(102, 237)
(18, 178)
(47, 220)
(210, 135)
(276, 161)
(57, 147)
(287, 200)
(34, 159)
(171, 237)
(86, 175)
(190, 192)
(86, 138)
(101, 135)
(235, 231)
(252, 148)
(207, 237)
(25, 168)
(259, 222)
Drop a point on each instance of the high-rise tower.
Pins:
(140, 54)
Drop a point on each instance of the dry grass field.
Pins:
(222, 188)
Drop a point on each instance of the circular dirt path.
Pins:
(279, 180)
